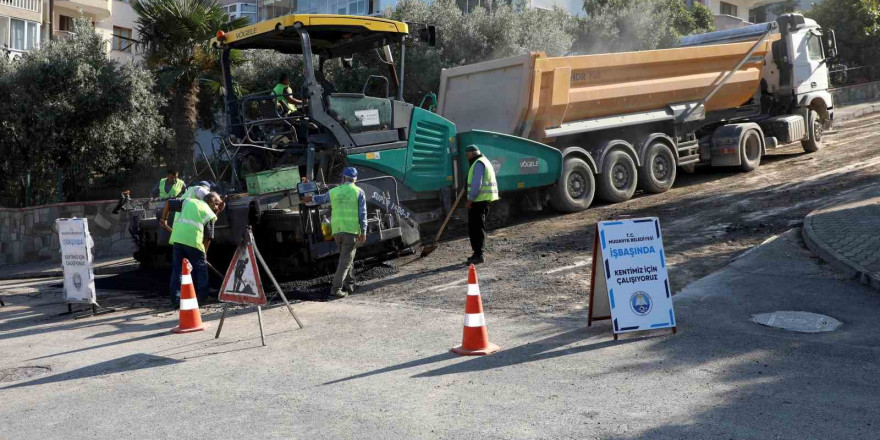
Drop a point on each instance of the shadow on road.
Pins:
(133, 362)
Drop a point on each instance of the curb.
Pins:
(873, 108)
(849, 268)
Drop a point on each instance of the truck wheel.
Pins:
(618, 179)
(575, 188)
(813, 142)
(750, 150)
(658, 172)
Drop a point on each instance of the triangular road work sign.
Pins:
(242, 282)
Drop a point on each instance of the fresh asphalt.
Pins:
(368, 370)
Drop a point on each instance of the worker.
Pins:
(169, 187)
(284, 95)
(197, 191)
(348, 224)
(190, 238)
(482, 191)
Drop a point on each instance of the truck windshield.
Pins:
(814, 48)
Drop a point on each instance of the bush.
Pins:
(68, 112)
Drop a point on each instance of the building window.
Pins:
(122, 39)
(33, 35)
(728, 9)
(4, 32)
(18, 34)
(65, 23)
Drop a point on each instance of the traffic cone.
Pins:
(475, 340)
(189, 318)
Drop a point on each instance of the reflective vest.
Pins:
(489, 188)
(280, 91)
(344, 202)
(193, 192)
(175, 189)
(190, 224)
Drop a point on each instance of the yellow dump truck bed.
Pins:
(528, 94)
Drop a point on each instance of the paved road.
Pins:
(370, 370)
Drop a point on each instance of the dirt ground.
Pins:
(541, 263)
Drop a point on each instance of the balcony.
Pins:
(27, 5)
(101, 9)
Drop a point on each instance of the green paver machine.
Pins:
(410, 161)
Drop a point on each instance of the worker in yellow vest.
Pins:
(190, 238)
(284, 95)
(169, 187)
(348, 223)
(482, 188)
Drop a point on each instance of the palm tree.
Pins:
(175, 35)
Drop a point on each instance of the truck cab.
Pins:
(798, 67)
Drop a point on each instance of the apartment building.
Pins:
(21, 24)
(113, 19)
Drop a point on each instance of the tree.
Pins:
(857, 27)
(68, 112)
(627, 25)
(175, 35)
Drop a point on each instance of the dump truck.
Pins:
(624, 121)
(410, 160)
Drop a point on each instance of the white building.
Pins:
(21, 24)
(731, 14)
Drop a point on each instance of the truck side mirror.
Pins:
(830, 44)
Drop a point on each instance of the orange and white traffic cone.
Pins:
(475, 341)
(189, 318)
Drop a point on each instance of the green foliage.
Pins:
(175, 35)
(627, 25)
(857, 26)
(68, 112)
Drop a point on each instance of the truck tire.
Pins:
(575, 188)
(657, 173)
(750, 150)
(813, 142)
(618, 179)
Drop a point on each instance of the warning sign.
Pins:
(76, 257)
(242, 281)
(630, 283)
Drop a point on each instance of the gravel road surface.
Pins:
(541, 264)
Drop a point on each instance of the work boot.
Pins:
(349, 288)
(339, 294)
(475, 259)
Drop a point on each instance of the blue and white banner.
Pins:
(634, 270)
(76, 260)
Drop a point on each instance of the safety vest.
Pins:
(175, 189)
(192, 192)
(344, 201)
(489, 188)
(190, 224)
(280, 91)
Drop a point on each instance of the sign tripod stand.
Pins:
(242, 284)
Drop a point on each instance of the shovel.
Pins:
(432, 247)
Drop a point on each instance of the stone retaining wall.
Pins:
(28, 235)
(849, 95)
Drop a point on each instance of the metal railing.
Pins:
(842, 75)
(28, 5)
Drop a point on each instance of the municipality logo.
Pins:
(640, 303)
(77, 281)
